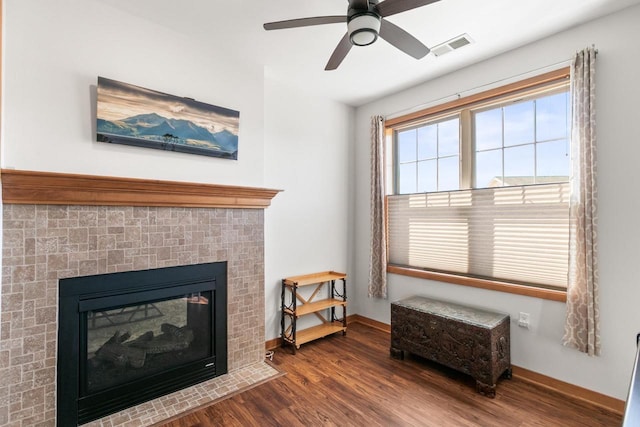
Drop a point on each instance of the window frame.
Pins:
(433, 120)
(463, 106)
(530, 95)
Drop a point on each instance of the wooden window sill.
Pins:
(550, 294)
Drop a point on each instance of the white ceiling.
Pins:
(298, 56)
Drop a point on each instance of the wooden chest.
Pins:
(473, 341)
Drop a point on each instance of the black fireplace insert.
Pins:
(126, 338)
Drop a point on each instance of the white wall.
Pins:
(307, 152)
(618, 90)
(53, 53)
(55, 50)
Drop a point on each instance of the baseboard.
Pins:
(272, 344)
(594, 398)
(356, 318)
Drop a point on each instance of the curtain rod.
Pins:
(458, 95)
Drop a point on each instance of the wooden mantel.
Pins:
(49, 188)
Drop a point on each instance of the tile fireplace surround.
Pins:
(57, 226)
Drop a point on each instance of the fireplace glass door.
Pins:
(128, 337)
(134, 341)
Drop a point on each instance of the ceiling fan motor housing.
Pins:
(363, 25)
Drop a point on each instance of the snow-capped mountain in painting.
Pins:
(176, 124)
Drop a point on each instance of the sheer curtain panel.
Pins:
(582, 319)
(378, 255)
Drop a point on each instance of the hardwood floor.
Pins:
(352, 381)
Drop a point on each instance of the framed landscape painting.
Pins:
(133, 115)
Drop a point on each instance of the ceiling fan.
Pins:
(365, 22)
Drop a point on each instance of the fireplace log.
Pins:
(146, 337)
(173, 338)
(119, 354)
(179, 334)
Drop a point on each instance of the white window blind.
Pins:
(517, 234)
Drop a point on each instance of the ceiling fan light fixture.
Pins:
(364, 28)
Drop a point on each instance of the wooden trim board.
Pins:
(49, 188)
(592, 397)
(576, 392)
(493, 285)
(356, 318)
(273, 344)
(559, 75)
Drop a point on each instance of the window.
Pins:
(429, 157)
(524, 142)
(480, 187)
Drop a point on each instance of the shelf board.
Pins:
(312, 279)
(313, 307)
(315, 332)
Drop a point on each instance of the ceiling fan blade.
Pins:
(391, 7)
(402, 40)
(305, 22)
(339, 53)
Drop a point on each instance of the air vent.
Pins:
(450, 45)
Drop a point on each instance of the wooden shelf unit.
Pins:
(295, 306)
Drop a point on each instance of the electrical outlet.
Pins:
(523, 321)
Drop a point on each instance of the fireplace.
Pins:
(126, 338)
(57, 226)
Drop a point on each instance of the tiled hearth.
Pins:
(174, 404)
(43, 243)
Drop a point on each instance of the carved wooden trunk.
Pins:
(475, 342)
